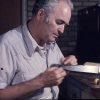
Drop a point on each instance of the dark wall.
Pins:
(10, 14)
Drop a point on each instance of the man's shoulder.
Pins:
(12, 36)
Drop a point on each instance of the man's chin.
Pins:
(53, 40)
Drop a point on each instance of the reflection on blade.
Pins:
(83, 68)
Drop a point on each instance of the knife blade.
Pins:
(80, 68)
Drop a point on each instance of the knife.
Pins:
(80, 68)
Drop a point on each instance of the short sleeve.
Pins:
(6, 65)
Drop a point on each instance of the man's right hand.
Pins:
(52, 76)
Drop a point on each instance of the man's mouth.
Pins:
(56, 35)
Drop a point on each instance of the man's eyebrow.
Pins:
(62, 21)
(65, 23)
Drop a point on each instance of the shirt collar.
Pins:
(31, 43)
(29, 40)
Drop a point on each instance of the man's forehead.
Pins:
(63, 13)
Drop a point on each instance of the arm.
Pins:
(7, 63)
(20, 90)
(51, 77)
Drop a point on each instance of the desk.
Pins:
(75, 86)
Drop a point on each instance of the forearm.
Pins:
(20, 90)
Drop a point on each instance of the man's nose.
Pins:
(61, 29)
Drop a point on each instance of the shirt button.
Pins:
(1, 68)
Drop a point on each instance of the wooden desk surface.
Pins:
(88, 80)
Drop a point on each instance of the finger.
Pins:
(60, 73)
(60, 80)
(71, 60)
(52, 68)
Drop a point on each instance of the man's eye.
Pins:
(59, 22)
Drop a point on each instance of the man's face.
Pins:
(56, 23)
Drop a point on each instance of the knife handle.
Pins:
(57, 65)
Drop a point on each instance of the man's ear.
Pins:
(41, 14)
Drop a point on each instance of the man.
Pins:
(29, 54)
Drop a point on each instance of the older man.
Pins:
(28, 52)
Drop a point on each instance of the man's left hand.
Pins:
(69, 60)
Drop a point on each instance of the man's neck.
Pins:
(34, 33)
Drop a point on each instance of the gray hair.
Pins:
(48, 5)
